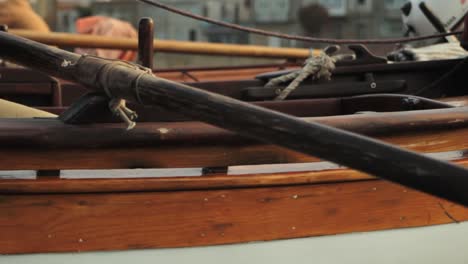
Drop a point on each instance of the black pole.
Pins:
(358, 152)
(146, 42)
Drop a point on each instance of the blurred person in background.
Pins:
(18, 14)
(108, 27)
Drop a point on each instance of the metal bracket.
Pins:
(368, 86)
(363, 57)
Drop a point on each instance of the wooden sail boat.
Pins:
(101, 188)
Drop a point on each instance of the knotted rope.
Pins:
(318, 67)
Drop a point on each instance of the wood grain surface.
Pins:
(93, 184)
(195, 155)
(121, 221)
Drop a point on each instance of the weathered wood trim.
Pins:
(191, 154)
(54, 134)
(63, 186)
(121, 221)
(177, 183)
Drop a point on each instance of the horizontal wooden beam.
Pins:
(121, 221)
(169, 46)
(37, 144)
(196, 155)
(52, 134)
(156, 184)
(220, 74)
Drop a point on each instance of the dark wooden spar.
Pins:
(121, 80)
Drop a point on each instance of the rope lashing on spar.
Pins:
(117, 105)
(316, 66)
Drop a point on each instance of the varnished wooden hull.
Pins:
(51, 214)
(216, 207)
(74, 222)
(56, 213)
(405, 246)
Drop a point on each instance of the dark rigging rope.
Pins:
(294, 37)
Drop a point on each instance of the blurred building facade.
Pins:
(347, 18)
(170, 26)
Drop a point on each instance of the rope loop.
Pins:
(117, 105)
(316, 66)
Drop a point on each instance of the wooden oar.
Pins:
(169, 46)
(121, 80)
